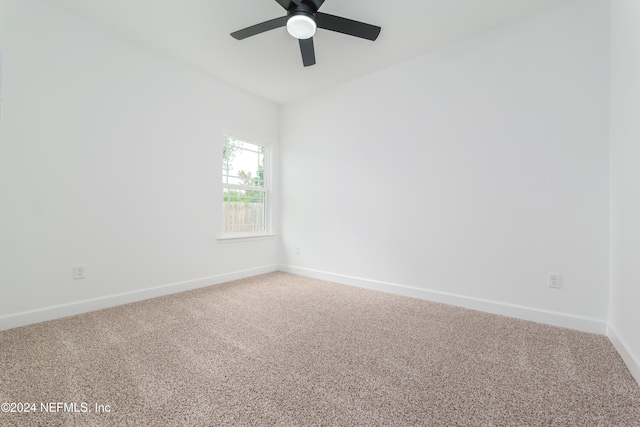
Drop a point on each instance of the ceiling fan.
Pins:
(301, 21)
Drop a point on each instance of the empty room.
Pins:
(320, 213)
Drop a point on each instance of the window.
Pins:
(244, 187)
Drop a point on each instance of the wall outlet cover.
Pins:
(554, 280)
(78, 272)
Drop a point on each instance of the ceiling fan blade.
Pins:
(347, 26)
(308, 52)
(260, 28)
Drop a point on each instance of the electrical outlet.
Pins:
(297, 250)
(554, 280)
(78, 272)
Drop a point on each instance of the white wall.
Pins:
(625, 181)
(110, 157)
(471, 171)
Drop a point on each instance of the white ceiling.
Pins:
(196, 32)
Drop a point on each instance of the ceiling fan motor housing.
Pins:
(301, 21)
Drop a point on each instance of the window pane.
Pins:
(243, 163)
(243, 213)
(244, 191)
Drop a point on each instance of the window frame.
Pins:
(225, 236)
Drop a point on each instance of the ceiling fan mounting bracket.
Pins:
(302, 9)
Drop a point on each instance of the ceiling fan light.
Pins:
(301, 26)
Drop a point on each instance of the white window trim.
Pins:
(241, 237)
(259, 235)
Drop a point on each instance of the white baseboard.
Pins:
(563, 320)
(64, 310)
(630, 359)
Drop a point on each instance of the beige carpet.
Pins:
(286, 350)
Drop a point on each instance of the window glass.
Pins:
(244, 197)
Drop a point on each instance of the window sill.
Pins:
(227, 238)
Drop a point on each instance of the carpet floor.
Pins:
(285, 350)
